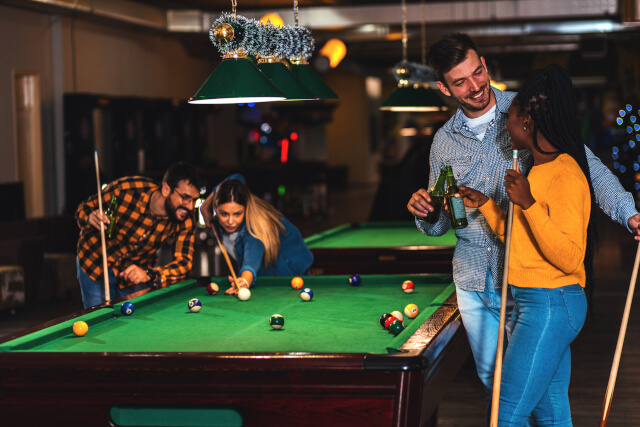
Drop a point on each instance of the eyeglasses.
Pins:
(186, 199)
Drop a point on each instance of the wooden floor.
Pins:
(592, 351)
(463, 403)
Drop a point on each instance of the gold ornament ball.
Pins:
(223, 32)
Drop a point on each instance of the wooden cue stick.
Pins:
(497, 375)
(623, 330)
(226, 255)
(107, 292)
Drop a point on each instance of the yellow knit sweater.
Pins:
(549, 239)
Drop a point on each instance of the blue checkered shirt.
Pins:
(482, 165)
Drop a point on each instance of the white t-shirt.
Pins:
(480, 124)
(229, 241)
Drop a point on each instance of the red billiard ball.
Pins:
(388, 322)
(212, 288)
(408, 286)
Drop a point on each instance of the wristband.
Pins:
(245, 281)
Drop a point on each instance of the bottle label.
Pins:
(458, 208)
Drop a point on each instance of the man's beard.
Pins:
(171, 210)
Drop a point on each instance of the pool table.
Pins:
(331, 364)
(380, 248)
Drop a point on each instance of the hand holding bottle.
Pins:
(472, 198)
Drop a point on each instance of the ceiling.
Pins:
(514, 35)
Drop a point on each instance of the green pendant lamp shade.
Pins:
(285, 81)
(312, 81)
(410, 98)
(234, 81)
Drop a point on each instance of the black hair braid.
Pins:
(549, 99)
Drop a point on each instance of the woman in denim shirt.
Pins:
(255, 234)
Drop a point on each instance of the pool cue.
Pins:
(497, 373)
(623, 330)
(226, 255)
(107, 293)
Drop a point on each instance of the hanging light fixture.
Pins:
(236, 79)
(412, 93)
(270, 63)
(300, 67)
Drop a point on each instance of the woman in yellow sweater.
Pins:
(551, 249)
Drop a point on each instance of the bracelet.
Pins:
(245, 281)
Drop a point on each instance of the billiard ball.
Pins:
(396, 327)
(306, 294)
(411, 311)
(355, 280)
(388, 322)
(276, 321)
(212, 288)
(80, 328)
(195, 305)
(297, 283)
(383, 318)
(408, 286)
(398, 315)
(244, 294)
(127, 308)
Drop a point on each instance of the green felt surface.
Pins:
(378, 235)
(340, 318)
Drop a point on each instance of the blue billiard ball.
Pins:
(306, 294)
(195, 305)
(127, 308)
(355, 280)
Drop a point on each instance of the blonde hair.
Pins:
(262, 219)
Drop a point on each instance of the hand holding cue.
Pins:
(226, 255)
(497, 375)
(623, 330)
(107, 293)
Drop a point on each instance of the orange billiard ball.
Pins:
(80, 328)
(297, 283)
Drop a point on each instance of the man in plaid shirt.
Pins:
(149, 215)
(477, 146)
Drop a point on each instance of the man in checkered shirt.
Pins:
(149, 215)
(477, 146)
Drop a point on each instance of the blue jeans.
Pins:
(537, 363)
(93, 292)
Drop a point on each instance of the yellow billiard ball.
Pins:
(411, 311)
(80, 328)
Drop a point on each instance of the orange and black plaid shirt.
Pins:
(138, 234)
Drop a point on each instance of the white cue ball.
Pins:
(398, 315)
(244, 294)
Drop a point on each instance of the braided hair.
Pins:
(548, 97)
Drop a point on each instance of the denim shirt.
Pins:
(482, 165)
(294, 258)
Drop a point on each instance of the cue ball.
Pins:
(276, 321)
(355, 280)
(80, 328)
(297, 283)
(408, 286)
(306, 294)
(244, 294)
(411, 311)
(195, 305)
(212, 288)
(383, 318)
(127, 308)
(397, 315)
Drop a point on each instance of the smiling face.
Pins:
(180, 201)
(230, 216)
(469, 84)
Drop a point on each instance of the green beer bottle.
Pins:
(437, 194)
(111, 214)
(456, 206)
